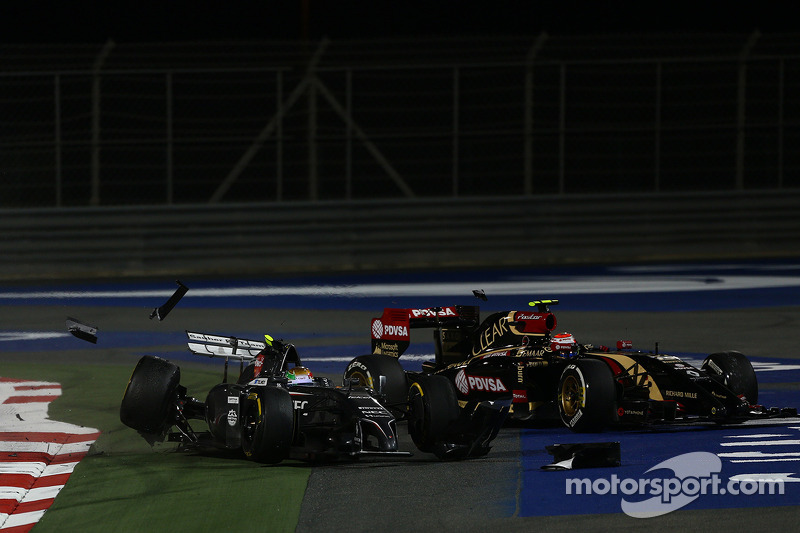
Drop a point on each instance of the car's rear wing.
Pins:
(274, 357)
(390, 331)
(241, 350)
(227, 347)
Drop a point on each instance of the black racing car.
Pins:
(275, 411)
(515, 354)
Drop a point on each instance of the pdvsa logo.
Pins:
(379, 330)
(461, 382)
(395, 331)
(445, 311)
(466, 383)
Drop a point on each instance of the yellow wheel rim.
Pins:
(362, 379)
(571, 396)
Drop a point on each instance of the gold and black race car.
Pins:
(517, 355)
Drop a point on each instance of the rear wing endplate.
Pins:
(390, 331)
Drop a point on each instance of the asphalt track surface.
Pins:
(687, 309)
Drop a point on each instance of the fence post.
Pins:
(348, 185)
(528, 147)
(741, 105)
(98, 65)
(657, 133)
(279, 113)
(456, 97)
(170, 187)
(57, 136)
(562, 127)
(313, 178)
(781, 89)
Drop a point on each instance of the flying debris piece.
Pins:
(583, 455)
(164, 310)
(480, 294)
(82, 331)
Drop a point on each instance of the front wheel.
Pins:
(148, 405)
(268, 426)
(368, 369)
(433, 409)
(586, 395)
(733, 370)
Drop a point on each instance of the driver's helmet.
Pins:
(564, 344)
(299, 375)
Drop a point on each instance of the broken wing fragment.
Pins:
(162, 311)
(480, 294)
(82, 331)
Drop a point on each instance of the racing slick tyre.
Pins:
(148, 404)
(433, 409)
(268, 426)
(368, 369)
(733, 370)
(586, 395)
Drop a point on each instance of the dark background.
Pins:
(82, 21)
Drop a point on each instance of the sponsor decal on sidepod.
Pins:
(466, 383)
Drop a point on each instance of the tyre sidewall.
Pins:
(368, 369)
(272, 411)
(595, 382)
(433, 409)
(150, 395)
(735, 371)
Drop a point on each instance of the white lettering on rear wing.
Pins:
(220, 346)
(432, 312)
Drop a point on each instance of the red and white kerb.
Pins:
(37, 455)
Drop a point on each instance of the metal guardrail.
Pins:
(280, 238)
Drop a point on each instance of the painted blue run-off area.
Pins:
(749, 452)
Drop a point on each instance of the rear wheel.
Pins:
(268, 426)
(367, 369)
(733, 370)
(148, 405)
(433, 409)
(586, 395)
